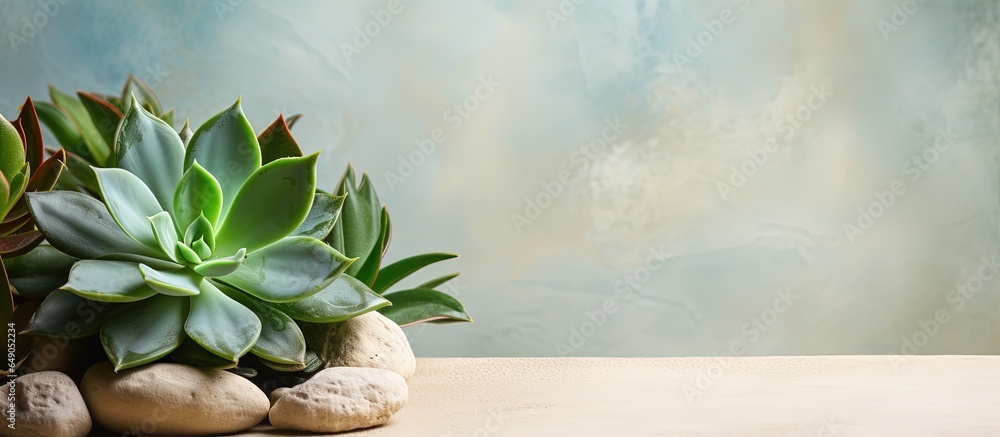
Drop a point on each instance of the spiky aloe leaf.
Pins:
(105, 116)
(437, 282)
(357, 231)
(61, 127)
(423, 305)
(370, 270)
(97, 148)
(399, 270)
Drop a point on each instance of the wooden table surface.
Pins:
(766, 396)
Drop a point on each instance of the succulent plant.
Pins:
(203, 253)
(23, 167)
(364, 232)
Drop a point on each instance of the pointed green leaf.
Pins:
(322, 216)
(150, 149)
(221, 266)
(192, 354)
(98, 149)
(166, 234)
(167, 117)
(83, 176)
(104, 115)
(108, 281)
(188, 254)
(17, 185)
(273, 203)
(61, 127)
(81, 226)
(182, 282)
(368, 272)
(65, 315)
(220, 324)
(277, 142)
(437, 282)
(397, 271)
(423, 305)
(201, 248)
(45, 177)
(357, 232)
(289, 270)
(38, 272)
(227, 147)
(197, 193)
(146, 332)
(130, 203)
(281, 340)
(11, 150)
(343, 299)
(4, 194)
(147, 98)
(200, 229)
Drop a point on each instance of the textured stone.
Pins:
(46, 404)
(175, 399)
(341, 399)
(369, 340)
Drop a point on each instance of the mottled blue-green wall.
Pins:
(625, 177)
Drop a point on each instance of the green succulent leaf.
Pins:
(145, 95)
(81, 226)
(65, 315)
(343, 299)
(181, 282)
(80, 174)
(357, 232)
(108, 281)
(104, 115)
(220, 324)
(150, 149)
(277, 142)
(167, 117)
(322, 216)
(35, 274)
(4, 194)
(221, 266)
(11, 150)
(271, 204)
(198, 193)
(200, 229)
(227, 147)
(19, 244)
(192, 354)
(437, 282)
(281, 340)
(370, 270)
(166, 234)
(201, 248)
(61, 127)
(130, 203)
(399, 270)
(96, 147)
(188, 253)
(289, 270)
(18, 183)
(146, 332)
(423, 305)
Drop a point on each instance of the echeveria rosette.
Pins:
(198, 252)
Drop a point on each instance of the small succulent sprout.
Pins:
(199, 250)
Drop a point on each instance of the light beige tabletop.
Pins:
(766, 396)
